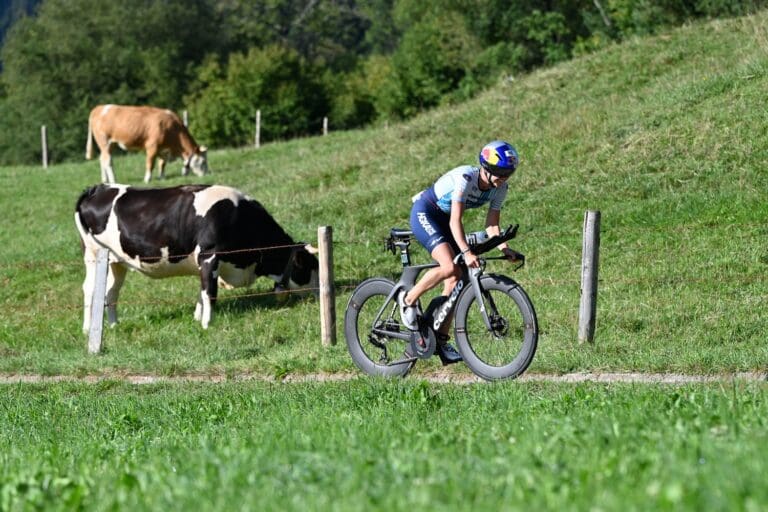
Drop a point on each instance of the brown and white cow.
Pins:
(157, 131)
(212, 231)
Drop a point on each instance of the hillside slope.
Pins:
(667, 137)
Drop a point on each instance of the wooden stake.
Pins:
(589, 265)
(327, 292)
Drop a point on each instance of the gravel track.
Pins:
(440, 377)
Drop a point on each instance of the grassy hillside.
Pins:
(667, 137)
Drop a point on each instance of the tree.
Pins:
(13, 10)
(275, 80)
(77, 53)
(331, 33)
(431, 61)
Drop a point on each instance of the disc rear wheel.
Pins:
(368, 319)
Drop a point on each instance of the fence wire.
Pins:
(346, 285)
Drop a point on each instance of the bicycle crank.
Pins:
(423, 341)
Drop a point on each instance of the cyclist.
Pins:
(436, 221)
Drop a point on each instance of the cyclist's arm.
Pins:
(492, 228)
(457, 227)
(492, 225)
(457, 230)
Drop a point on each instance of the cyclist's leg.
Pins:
(431, 228)
(446, 271)
(447, 353)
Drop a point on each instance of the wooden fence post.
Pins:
(589, 264)
(97, 302)
(257, 137)
(327, 292)
(44, 138)
(325, 126)
(185, 118)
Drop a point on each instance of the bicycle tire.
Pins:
(507, 350)
(363, 305)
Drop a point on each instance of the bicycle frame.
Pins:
(406, 282)
(470, 277)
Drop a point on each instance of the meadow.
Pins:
(367, 444)
(666, 136)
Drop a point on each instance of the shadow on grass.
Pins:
(229, 304)
(248, 303)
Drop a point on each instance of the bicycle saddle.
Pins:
(400, 233)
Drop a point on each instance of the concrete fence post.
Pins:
(97, 302)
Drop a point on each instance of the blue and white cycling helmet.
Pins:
(499, 158)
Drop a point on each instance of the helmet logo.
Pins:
(490, 156)
(512, 157)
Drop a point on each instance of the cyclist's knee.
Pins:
(451, 277)
(450, 272)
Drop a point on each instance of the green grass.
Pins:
(374, 445)
(666, 136)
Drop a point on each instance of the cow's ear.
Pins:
(311, 249)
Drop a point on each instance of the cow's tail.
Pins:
(89, 142)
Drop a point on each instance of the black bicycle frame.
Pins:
(470, 277)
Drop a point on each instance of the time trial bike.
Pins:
(495, 325)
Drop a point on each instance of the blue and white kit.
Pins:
(431, 212)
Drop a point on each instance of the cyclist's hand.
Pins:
(471, 260)
(513, 255)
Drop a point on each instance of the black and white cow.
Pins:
(212, 231)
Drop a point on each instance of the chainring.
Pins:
(423, 341)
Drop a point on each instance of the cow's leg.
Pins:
(151, 154)
(209, 287)
(89, 283)
(105, 161)
(161, 168)
(115, 279)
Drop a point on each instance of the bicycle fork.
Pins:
(474, 279)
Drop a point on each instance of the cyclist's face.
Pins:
(495, 181)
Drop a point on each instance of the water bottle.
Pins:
(477, 237)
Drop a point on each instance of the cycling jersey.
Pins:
(461, 184)
(430, 214)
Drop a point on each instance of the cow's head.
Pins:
(197, 162)
(301, 273)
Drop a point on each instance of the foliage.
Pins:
(359, 96)
(430, 62)
(331, 34)
(75, 54)
(13, 10)
(275, 80)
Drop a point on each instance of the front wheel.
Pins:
(506, 350)
(368, 319)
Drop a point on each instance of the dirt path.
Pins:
(634, 377)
